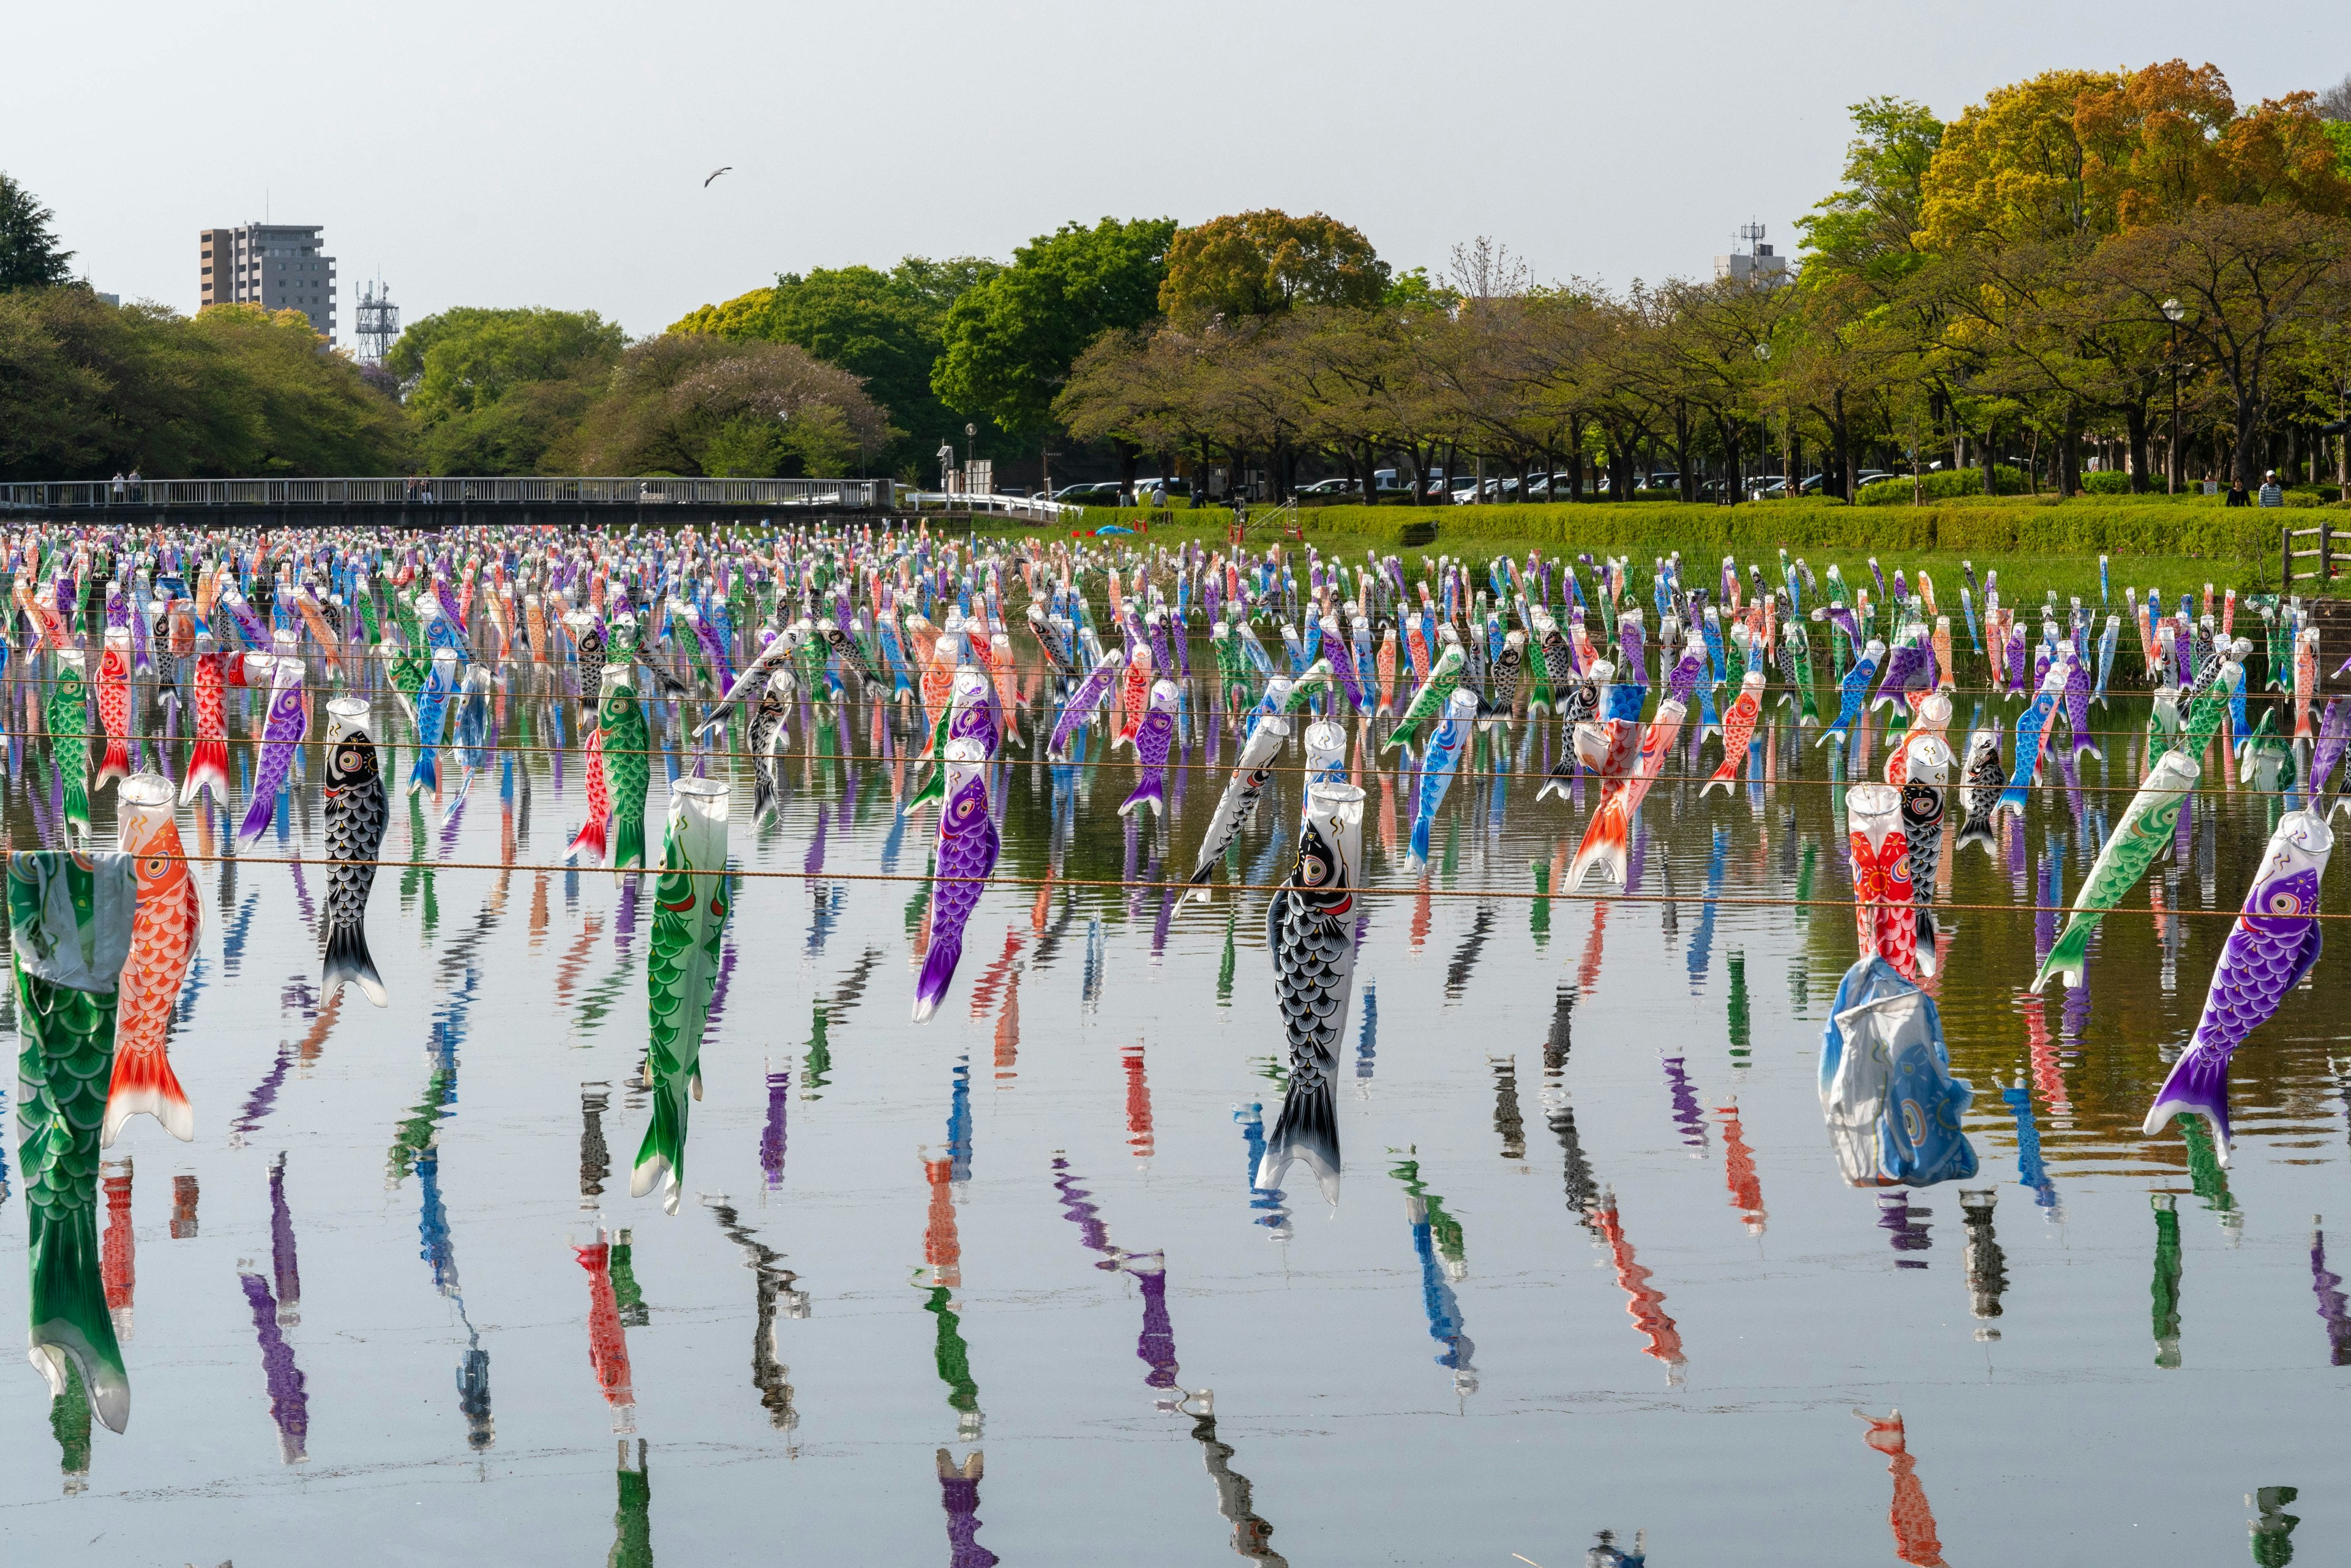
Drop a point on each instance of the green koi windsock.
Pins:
(70, 917)
(690, 903)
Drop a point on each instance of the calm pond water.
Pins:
(1000, 1283)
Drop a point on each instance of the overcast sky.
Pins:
(503, 152)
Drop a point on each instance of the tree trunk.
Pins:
(2135, 423)
(2069, 457)
(1685, 482)
(1843, 430)
(1991, 471)
(2249, 420)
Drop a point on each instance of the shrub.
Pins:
(1943, 485)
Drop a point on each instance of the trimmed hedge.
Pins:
(1943, 485)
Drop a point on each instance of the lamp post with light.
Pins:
(2172, 313)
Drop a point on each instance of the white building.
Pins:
(1751, 260)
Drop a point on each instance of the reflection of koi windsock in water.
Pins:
(208, 765)
(163, 931)
(1915, 1541)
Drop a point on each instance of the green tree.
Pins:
(1011, 340)
(692, 403)
(1262, 262)
(30, 256)
(1868, 225)
(88, 389)
(881, 326)
(494, 390)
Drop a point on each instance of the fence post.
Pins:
(2325, 553)
(2285, 563)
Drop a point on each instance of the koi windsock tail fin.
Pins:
(115, 764)
(2198, 1086)
(1607, 844)
(349, 963)
(588, 842)
(938, 973)
(1307, 1132)
(143, 1081)
(1150, 792)
(2068, 958)
(207, 769)
(629, 843)
(425, 773)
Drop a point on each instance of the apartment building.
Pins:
(278, 267)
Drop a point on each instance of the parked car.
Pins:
(1097, 492)
(1339, 487)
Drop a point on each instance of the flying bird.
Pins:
(716, 172)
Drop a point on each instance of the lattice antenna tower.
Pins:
(378, 320)
(1750, 240)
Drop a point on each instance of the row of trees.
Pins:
(2037, 276)
(2042, 277)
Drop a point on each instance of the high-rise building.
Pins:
(277, 266)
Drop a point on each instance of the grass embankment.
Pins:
(2038, 544)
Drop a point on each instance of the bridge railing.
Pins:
(972, 501)
(871, 495)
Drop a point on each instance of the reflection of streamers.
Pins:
(1739, 1171)
(2048, 1074)
(1007, 1031)
(772, 1137)
(1273, 1215)
(1465, 958)
(595, 1154)
(1138, 1103)
(1251, 1535)
(1687, 1116)
(953, 1358)
(1644, 1301)
(941, 1249)
(284, 1265)
(1508, 1123)
(2164, 1293)
(960, 1496)
(2323, 1282)
(775, 1292)
(1587, 970)
(118, 1265)
(1913, 1522)
(608, 1342)
(2030, 1172)
(983, 991)
(632, 1517)
(1908, 1227)
(1986, 1263)
(289, 1407)
(575, 959)
(1422, 915)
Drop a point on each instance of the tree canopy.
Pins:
(495, 390)
(90, 389)
(1011, 340)
(693, 403)
(1262, 262)
(30, 256)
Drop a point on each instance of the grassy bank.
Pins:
(2038, 544)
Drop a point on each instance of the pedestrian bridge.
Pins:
(443, 500)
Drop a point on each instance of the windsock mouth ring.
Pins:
(349, 710)
(145, 790)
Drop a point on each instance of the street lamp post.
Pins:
(2172, 313)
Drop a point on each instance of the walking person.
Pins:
(2272, 494)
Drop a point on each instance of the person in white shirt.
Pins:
(2271, 494)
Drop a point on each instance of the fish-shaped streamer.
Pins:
(2333, 733)
(356, 814)
(765, 736)
(1154, 738)
(1085, 700)
(163, 931)
(1428, 703)
(691, 900)
(1983, 780)
(2143, 832)
(589, 842)
(1892, 1106)
(68, 716)
(2077, 710)
(2272, 949)
(433, 703)
(1440, 760)
(752, 683)
(1853, 693)
(1738, 729)
(1310, 932)
(1508, 674)
(628, 765)
(208, 762)
(1926, 793)
(1579, 705)
(2032, 737)
(1326, 753)
(114, 706)
(1252, 771)
(1903, 666)
(2108, 640)
(1610, 748)
(967, 848)
(70, 916)
(1882, 890)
